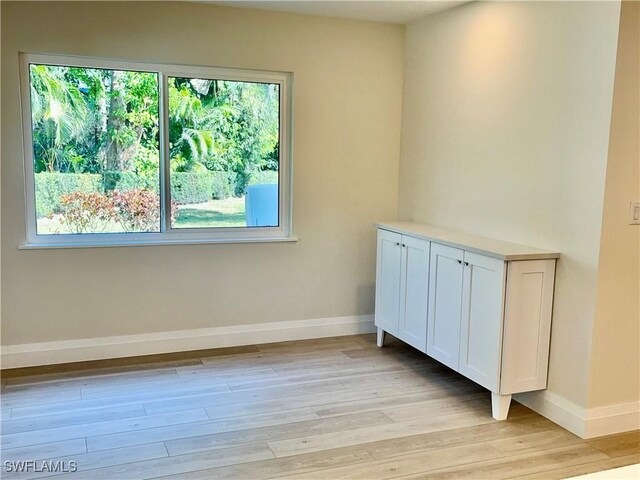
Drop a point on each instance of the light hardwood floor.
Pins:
(324, 409)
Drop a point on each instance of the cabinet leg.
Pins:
(500, 406)
(380, 341)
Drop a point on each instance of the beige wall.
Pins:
(505, 130)
(348, 90)
(615, 369)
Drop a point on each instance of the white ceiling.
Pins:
(390, 11)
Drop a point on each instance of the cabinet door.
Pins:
(445, 304)
(482, 314)
(389, 260)
(414, 290)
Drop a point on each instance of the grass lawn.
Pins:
(228, 212)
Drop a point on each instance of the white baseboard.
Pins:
(622, 417)
(556, 408)
(586, 423)
(65, 351)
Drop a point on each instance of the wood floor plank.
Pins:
(351, 401)
(378, 402)
(391, 349)
(122, 364)
(436, 388)
(396, 357)
(209, 427)
(103, 372)
(295, 369)
(345, 374)
(478, 402)
(619, 445)
(537, 441)
(249, 362)
(401, 379)
(94, 381)
(314, 443)
(13, 440)
(36, 389)
(248, 372)
(317, 348)
(58, 408)
(332, 425)
(99, 460)
(5, 413)
(277, 467)
(172, 390)
(213, 400)
(300, 464)
(454, 437)
(517, 465)
(174, 465)
(20, 399)
(336, 344)
(181, 383)
(581, 469)
(45, 450)
(271, 359)
(171, 358)
(117, 400)
(349, 368)
(406, 464)
(72, 418)
(41, 371)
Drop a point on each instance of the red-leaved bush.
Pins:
(86, 212)
(137, 210)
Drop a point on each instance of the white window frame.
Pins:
(167, 235)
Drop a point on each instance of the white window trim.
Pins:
(167, 236)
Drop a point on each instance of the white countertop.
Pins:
(473, 243)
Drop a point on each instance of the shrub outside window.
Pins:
(121, 153)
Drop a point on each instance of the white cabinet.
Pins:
(464, 323)
(481, 321)
(445, 304)
(401, 287)
(414, 283)
(388, 269)
(480, 306)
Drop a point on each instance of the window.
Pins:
(125, 153)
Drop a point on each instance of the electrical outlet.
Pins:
(634, 213)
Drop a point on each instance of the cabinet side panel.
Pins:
(388, 281)
(527, 326)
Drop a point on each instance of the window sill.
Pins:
(153, 243)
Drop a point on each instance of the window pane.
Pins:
(95, 150)
(224, 149)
